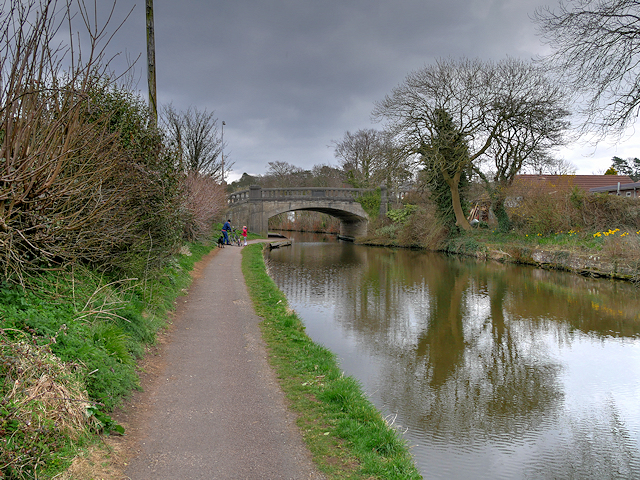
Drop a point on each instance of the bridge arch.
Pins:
(352, 224)
(255, 206)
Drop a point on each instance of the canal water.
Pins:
(492, 371)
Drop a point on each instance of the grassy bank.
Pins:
(607, 246)
(69, 342)
(612, 253)
(346, 434)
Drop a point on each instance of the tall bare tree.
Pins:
(596, 50)
(284, 174)
(446, 165)
(549, 165)
(395, 167)
(414, 111)
(327, 176)
(359, 154)
(195, 135)
(369, 158)
(535, 123)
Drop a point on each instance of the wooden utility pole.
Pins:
(151, 64)
(223, 124)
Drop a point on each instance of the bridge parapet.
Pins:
(238, 197)
(256, 193)
(254, 207)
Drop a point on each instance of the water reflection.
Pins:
(497, 371)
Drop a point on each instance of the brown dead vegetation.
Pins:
(83, 177)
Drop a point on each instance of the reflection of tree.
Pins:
(597, 307)
(442, 343)
(598, 447)
(473, 371)
(466, 342)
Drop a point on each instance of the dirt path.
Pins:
(211, 406)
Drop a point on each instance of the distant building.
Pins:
(566, 182)
(631, 190)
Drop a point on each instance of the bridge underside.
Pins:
(256, 215)
(351, 225)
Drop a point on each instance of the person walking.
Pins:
(244, 234)
(226, 228)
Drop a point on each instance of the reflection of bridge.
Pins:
(254, 207)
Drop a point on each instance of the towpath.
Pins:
(214, 409)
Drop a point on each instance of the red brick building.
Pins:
(567, 182)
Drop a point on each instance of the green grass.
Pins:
(346, 434)
(571, 240)
(98, 327)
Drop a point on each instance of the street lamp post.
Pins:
(223, 124)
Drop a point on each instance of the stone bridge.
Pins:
(254, 207)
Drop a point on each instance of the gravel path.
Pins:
(215, 410)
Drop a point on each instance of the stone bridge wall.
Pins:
(255, 206)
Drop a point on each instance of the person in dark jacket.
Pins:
(226, 228)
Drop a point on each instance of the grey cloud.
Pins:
(290, 76)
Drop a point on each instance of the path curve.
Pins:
(216, 411)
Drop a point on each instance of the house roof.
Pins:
(585, 182)
(613, 188)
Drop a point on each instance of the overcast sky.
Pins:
(290, 76)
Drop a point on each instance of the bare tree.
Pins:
(395, 167)
(327, 176)
(360, 155)
(279, 174)
(194, 134)
(451, 113)
(549, 165)
(173, 125)
(534, 124)
(418, 109)
(284, 174)
(369, 158)
(596, 47)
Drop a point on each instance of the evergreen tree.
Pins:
(630, 167)
(446, 164)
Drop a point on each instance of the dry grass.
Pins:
(40, 378)
(104, 461)
(619, 245)
(424, 229)
(44, 405)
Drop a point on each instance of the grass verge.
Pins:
(346, 434)
(69, 342)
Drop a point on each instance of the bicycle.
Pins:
(234, 238)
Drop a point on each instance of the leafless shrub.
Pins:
(74, 184)
(618, 246)
(603, 212)
(204, 200)
(195, 136)
(544, 209)
(424, 229)
(539, 209)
